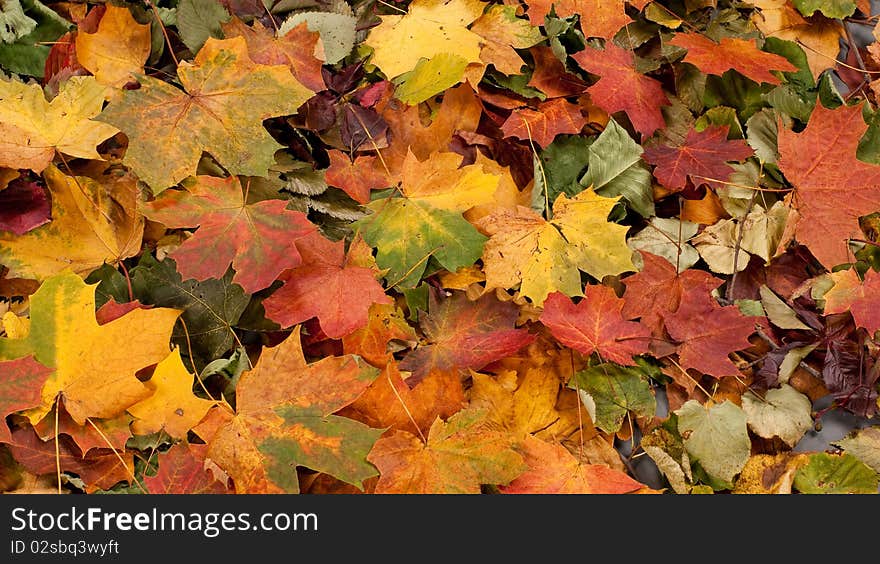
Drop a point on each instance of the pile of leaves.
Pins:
(438, 246)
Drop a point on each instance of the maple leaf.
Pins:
(598, 18)
(460, 333)
(385, 324)
(703, 158)
(542, 125)
(22, 380)
(331, 285)
(430, 27)
(595, 324)
(221, 108)
(390, 402)
(657, 290)
(33, 128)
(552, 469)
(296, 49)
(550, 75)
(461, 454)
(427, 222)
(283, 419)
(92, 223)
(101, 469)
(172, 407)
(857, 296)
(92, 374)
(545, 256)
(182, 471)
(818, 162)
(504, 33)
(741, 55)
(356, 178)
(96, 434)
(258, 240)
(117, 50)
(623, 88)
(707, 333)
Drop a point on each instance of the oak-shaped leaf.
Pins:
(540, 256)
(94, 221)
(257, 239)
(461, 454)
(336, 287)
(621, 87)
(741, 55)
(284, 419)
(596, 325)
(832, 188)
(221, 108)
(461, 333)
(33, 128)
(552, 469)
(182, 471)
(703, 158)
(93, 366)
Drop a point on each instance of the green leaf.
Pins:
(430, 77)
(827, 473)
(830, 8)
(717, 437)
(721, 115)
(14, 24)
(197, 20)
(668, 238)
(564, 160)
(666, 449)
(616, 169)
(610, 391)
(762, 134)
(783, 412)
(337, 32)
(27, 55)
(210, 308)
(406, 233)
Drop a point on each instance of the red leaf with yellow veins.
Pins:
(96, 433)
(460, 455)
(623, 88)
(859, 297)
(390, 403)
(22, 382)
(327, 286)
(741, 55)
(708, 333)
(99, 470)
(552, 469)
(356, 178)
(832, 187)
(555, 117)
(595, 324)
(460, 333)
(385, 323)
(296, 49)
(258, 240)
(182, 471)
(657, 290)
(283, 419)
(703, 157)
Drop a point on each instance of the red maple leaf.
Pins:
(22, 382)
(832, 187)
(461, 333)
(859, 297)
(356, 178)
(550, 75)
(703, 156)
(329, 285)
(182, 471)
(741, 55)
(598, 18)
(657, 290)
(555, 117)
(708, 332)
(595, 324)
(623, 88)
(258, 240)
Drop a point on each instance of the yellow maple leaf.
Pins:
(545, 256)
(172, 407)
(92, 223)
(119, 48)
(32, 128)
(93, 366)
(440, 182)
